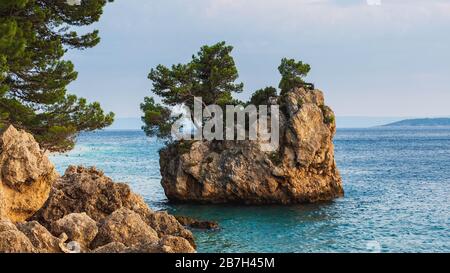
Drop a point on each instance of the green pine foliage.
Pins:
(157, 119)
(211, 75)
(34, 36)
(263, 96)
(292, 74)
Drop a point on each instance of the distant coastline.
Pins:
(135, 123)
(343, 122)
(422, 122)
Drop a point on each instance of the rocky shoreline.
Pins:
(85, 211)
(82, 211)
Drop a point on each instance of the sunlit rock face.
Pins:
(301, 170)
(26, 175)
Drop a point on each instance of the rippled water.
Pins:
(397, 184)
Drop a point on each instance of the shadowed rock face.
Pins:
(26, 175)
(12, 240)
(302, 170)
(42, 240)
(197, 224)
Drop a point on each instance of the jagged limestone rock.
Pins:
(65, 214)
(302, 170)
(126, 227)
(42, 240)
(197, 224)
(88, 190)
(78, 227)
(26, 175)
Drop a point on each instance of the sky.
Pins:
(372, 58)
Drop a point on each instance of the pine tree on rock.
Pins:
(211, 75)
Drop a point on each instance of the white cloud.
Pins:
(326, 12)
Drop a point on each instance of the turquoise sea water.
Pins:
(397, 184)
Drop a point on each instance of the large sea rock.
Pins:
(301, 170)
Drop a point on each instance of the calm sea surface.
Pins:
(397, 184)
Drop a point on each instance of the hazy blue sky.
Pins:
(382, 61)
